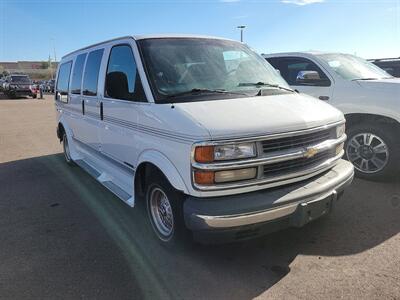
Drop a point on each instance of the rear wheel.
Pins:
(373, 150)
(165, 210)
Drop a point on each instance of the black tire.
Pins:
(67, 154)
(179, 234)
(34, 96)
(377, 133)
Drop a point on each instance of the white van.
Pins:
(367, 95)
(204, 131)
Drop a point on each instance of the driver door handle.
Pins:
(324, 98)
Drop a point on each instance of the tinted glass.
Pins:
(181, 65)
(63, 77)
(22, 79)
(351, 67)
(92, 72)
(290, 68)
(76, 80)
(122, 79)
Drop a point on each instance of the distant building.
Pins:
(35, 69)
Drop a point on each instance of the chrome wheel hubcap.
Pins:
(367, 152)
(161, 213)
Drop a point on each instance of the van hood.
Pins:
(242, 117)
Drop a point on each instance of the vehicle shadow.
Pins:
(364, 219)
(4, 97)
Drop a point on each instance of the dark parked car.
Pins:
(390, 65)
(18, 85)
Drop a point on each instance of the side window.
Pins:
(92, 72)
(76, 80)
(63, 81)
(122, 78)
(294, 69)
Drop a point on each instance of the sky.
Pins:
(32, 30)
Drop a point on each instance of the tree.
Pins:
(45, 65)
(3, 72)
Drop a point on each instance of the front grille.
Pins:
(296, 165)
(303, 140)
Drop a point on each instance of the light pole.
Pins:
(55, 57)
(241, 27)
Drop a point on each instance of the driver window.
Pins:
(295, 69)
(122, 78)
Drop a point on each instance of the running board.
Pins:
(104, 177)
(88, 168)
(124, 196)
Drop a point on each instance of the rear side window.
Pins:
(92, 72)
(122, 78)
(63, 81)
(76, 80)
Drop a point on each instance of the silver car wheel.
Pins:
(367, 152)
(67, 153)
(161, 213)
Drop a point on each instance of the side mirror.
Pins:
(308, 77)
(311, 78)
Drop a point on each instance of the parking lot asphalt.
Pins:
(64, 236)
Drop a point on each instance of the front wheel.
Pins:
(373, 150)
(165, 210)
(67, 150)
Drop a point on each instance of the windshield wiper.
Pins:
(198, 91)
(260, 83)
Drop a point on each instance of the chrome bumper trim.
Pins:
(231, 221)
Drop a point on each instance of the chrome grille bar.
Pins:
(274, 157)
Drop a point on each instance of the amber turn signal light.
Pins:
(204, 177)
(204, 154)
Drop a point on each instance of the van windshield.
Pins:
(351, 67)
(21, 79)
(190, 69)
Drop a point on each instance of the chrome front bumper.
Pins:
(236, 211)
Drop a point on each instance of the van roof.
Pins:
(148, 36)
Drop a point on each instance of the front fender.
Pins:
(165, 165)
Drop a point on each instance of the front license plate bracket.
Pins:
(307, 212)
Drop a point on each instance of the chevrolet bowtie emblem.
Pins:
(310, 152)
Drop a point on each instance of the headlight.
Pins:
(211, 177)
(235, 151)
(235, 175)
(206, 154)
(339, 148)
(340, 130)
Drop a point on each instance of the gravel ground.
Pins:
(64, 236)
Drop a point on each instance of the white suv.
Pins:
(204, 131)
(367, 95)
